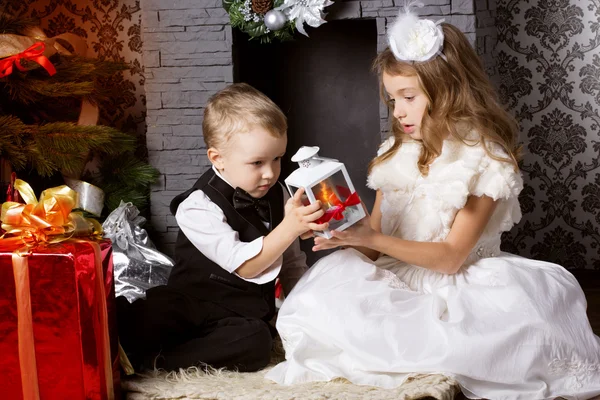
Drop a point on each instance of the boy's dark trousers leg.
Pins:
(185, 331)
(235, 343)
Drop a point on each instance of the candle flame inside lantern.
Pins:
(324, 194)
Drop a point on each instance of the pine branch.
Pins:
(75, 77)
(128, 171)
(65, 136)
(29, 91)
(75, 68)
(44, 165)
(57, 110)
(125, 178)
(119, 143)
(115, 192)
(12, 132)
(58, 146)
(11, 25)
(139, 198)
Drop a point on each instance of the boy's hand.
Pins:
(300, 218)
(307, 235)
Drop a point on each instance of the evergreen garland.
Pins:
(256, 29)
(75, 77)
(10, 25)
(57, 146)
(124, 177)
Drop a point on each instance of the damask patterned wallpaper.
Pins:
(548, 67)
(112, 31)
(548, 74)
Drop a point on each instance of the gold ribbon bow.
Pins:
(49, 220)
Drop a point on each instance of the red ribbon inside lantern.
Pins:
(338, 207)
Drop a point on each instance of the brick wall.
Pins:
(187, 57)
(485, 13)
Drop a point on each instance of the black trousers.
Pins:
(172, 330)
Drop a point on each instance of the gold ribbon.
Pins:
(28, 225)
(48, 220)
(27, 362)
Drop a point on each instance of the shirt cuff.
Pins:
(269, 275)
(251, 250)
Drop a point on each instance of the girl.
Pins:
(424, 286)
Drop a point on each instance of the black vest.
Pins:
(199, 277)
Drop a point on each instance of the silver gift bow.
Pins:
(138, 266)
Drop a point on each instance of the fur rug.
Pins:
(197, 383)
(225, 385)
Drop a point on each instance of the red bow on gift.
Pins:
(34, 53)
(337, 211)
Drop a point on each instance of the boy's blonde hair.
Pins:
(236, 109)
(459, 94)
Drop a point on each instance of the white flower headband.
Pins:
(415, 39)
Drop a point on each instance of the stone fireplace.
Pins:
(189, 53)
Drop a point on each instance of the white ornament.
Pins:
(305, 11)
(247, 13)
(275, 20)
(415, 39)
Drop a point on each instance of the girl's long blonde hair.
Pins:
(460, 94)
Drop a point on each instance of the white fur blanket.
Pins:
(224, 385)
(196, 383)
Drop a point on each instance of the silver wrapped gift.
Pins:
(138, 266)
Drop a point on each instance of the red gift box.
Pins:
(73, 311)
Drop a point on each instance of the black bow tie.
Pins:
(243, 201)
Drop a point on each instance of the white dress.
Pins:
(504, 326)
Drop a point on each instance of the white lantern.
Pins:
(327, 180)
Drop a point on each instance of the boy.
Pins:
(234, 240)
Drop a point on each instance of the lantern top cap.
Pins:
(304, 153)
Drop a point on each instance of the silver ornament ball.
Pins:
(275, 20)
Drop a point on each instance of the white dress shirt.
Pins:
(206, 227)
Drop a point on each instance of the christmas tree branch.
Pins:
(10, 25)
(65, 136)
(58, 146)
(127, 179)
(32, 91)
(129, 171)
(12, 132)
(75, 77)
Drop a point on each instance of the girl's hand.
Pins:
(357, 235)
